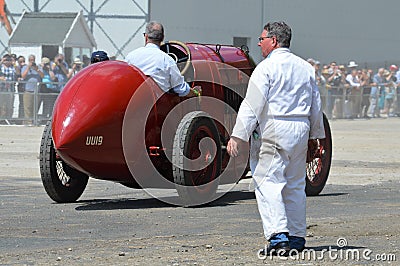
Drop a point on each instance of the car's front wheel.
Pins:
(61, 182)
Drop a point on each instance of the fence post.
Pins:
(35, 107)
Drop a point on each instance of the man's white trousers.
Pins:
(279, 170)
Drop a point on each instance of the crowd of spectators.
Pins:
(348, 91)
(36, 84)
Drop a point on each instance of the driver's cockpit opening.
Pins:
(181, 55)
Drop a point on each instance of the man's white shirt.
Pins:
(161, 67)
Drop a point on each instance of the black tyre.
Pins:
(318, 168)
(61, 182)
(196, 159)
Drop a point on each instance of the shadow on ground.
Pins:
(117, 204)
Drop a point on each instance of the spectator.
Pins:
(390, 89)
(321, 82)
(61, 71)
(7, 87)
(21, 85)
(379, 82)
(14, 58)
(47, 88)
(382, 92)
(396, 83)
(397, 107)
(343, 71)
(311, 61)
(32, 75)
(354, 93)
(352, 65)
(76, 66)
(324, 77)
(366, 81)
(334, 82)
(85, 61)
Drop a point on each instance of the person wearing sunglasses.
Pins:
(281, 114)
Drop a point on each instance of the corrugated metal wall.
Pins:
(339, 30)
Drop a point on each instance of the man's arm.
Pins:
(25, 70)
(178, 83)
(349, 79)
(254, 106)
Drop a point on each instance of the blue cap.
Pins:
(99, 56)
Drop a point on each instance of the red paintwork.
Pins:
(94, 102)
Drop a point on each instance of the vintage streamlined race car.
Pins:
(112, 122)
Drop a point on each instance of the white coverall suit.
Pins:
(283, 105)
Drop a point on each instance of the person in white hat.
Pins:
(76, 66)
(352, 64)
(354, 93)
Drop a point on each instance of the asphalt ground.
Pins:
(354, 221)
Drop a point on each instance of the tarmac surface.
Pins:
(354, 221)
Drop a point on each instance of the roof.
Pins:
(62, 29)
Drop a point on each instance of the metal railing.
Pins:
(21, 107)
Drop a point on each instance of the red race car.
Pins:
(112, 122)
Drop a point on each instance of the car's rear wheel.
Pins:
(318, 168)
(61, 182)
(196, 159)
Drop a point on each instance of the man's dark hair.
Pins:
(7, 57)
(155, 31)
(281, 31)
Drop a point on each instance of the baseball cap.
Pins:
(99, 56)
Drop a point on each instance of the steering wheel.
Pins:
(177, 54)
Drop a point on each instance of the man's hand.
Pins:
(195, 92)
(233, 146)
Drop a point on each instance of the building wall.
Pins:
(210, 21)
(340, 30)
(27, 51)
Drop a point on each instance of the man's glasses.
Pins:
(260, 39)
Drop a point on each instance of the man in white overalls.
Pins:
(281, 113)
